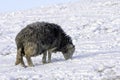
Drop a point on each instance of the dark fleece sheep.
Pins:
(42, 37)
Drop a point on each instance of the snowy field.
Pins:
(94, 26)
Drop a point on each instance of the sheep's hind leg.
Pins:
(29, 61)
(19, 58)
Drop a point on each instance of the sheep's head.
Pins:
(68, 51)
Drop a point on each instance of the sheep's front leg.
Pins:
(44, 57)
(49, 56)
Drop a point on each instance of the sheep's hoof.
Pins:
(44, 62)
(49, 61)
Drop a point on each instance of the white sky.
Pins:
(13, 5)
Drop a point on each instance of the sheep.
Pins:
(42, 38)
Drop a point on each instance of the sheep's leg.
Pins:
(49, 56)
(29, 61)
(29, 51)
(44, 57)
(19, 58)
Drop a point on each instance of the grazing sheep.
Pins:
(42, 37)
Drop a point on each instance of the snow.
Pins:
(94, 26)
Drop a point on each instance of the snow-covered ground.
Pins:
(94, 26)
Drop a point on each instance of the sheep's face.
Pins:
(68, 51)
